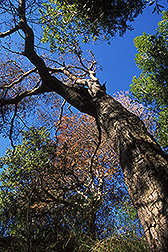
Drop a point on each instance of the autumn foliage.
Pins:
(57, 188)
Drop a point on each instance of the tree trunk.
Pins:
(144, 164)
(145, 168)
(91, 225)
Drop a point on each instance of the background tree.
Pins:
(46, 197)
(42, 191)
(151, 86)
(51, 193)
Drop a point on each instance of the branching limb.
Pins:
(14, 52)
(29, 51)
(19, 79)
(11, 128)
(22, 95)
(93, 76)
(9, 32)
(78, 97)
(72, 77)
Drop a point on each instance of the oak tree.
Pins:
(143, 162)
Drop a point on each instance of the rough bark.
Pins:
(91, 226)
(145, 168)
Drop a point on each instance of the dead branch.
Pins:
(9, 32)
(19, 79)
(11, 128)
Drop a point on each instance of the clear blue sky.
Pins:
(117, 59)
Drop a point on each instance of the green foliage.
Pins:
(31, 212)
(127, 223)
(151, 87)
(19, 180)
(67, 22)
(27, 212)
(112, 244)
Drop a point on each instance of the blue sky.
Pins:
(117, 59)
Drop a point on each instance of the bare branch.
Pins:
(22, 95)
(19, 79)
(71, 76)
(11, 128)
(81, 61)
(94, 62)
(93, 75)
(11, 31)
(60, 120)
(6, 48)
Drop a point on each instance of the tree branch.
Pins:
(71, 76)
(19, 79)
(79, 97)
(9, 32)
(11, 128)
(22, 95)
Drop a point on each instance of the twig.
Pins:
(6, 48)
(97, 147)
(69, 108)
(19, 79)
(4, 34)
(60, 120)
(11, 128)
(94, 62)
